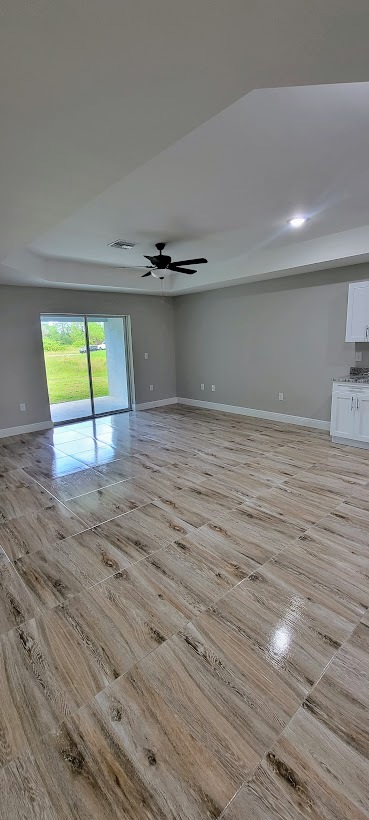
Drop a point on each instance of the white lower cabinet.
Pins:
(350, 414)
(361, 430)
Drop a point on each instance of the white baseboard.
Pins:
(149, 405)
(26, 428)
(206, 405)
(259, 414)
(362, 445)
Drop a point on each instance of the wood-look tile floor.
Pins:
(184, 621)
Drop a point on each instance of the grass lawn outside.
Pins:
(67, 375)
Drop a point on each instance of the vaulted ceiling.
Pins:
(204, 124)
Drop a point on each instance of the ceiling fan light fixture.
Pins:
(297, 221)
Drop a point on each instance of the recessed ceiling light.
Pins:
(122, 245)
(297, 221)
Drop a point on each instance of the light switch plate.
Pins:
(358, 356)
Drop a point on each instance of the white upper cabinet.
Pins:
(357, 326)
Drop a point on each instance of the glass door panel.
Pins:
(66, 363)
(107, 348)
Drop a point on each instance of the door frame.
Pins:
(127, 336)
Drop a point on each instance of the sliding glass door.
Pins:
(106, 342)
(66, 364)
(86, 365)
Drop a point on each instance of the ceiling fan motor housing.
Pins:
(163, 261)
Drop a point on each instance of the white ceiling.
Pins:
(95, 100)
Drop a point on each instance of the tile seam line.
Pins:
(155, 499)
(301, 706)
(192, 621)
(93, 527)
(80, 495)
(165, 546)
(111, 484)
(174, 634)
(105, 688)
(86, 528)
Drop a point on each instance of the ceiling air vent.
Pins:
(122, 245)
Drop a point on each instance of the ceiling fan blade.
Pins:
(175, 269)
(134, 267)
(152, 259)
(200, 261)
(146, 274)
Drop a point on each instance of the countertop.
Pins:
(357, 375)
(352, 380)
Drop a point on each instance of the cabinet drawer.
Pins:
(349, 388)
(342, 390)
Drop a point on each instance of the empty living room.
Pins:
(184, 410)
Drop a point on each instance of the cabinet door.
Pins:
(357, 326)
(361, 431)
(343, 415)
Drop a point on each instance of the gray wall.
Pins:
(254, 341)
(22, 371)
(251, 341)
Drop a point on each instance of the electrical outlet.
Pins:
(280, 396)
(202, 386)
(151, 388)
(146, 355)
(358, 356)
(213, 388)
(22, 408)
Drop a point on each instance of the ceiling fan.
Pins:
(161, 262)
